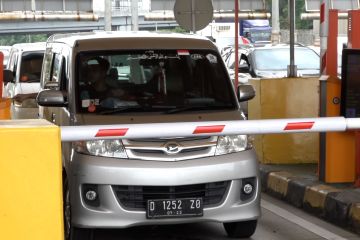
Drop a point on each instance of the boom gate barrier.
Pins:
(35, 166)
(185, 129)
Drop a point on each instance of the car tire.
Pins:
(240, 229)
(71, 232)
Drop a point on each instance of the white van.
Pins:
(22, 78)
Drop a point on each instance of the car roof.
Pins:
(25, 47)
(132, 40)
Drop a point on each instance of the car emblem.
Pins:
(172, 148)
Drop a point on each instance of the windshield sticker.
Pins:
(148, 55)
(212, 58)
(88, 102)
(85, 103)
(196, 56)
(183, 52)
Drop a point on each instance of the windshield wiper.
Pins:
(194, 108)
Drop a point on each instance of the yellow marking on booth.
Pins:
(31, 205)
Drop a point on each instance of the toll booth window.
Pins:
(152, 80)
(350, 83)
(31, 64)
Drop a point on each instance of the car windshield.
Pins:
(30, 69)
(279, 59)
(152, 80)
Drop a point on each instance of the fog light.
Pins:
(91, 195)
(248, 188)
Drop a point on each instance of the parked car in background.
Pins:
(22, 78)
(6, 51)
(141, 77)
(229, 59)
(272, 61)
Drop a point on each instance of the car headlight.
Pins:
(104, 148)
(232, 143)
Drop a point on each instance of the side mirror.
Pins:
(8, 76)
(245, 92)
(51, 98)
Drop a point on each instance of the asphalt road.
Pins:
(279, 221)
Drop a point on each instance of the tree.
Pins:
(8, 40)
(284, 12)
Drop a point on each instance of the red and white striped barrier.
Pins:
(188, 129)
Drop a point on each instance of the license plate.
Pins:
(170, 208)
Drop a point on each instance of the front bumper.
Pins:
(107, 172)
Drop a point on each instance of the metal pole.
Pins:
(292, 71)
(169, 16)
(33, 5)
(193, 20)
(236, 81)
(316, 16)
(107, 15)
(275, 32)
(134, 15)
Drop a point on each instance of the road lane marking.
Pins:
(311, 227)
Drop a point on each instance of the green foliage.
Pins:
(284, 11)
(177, 29)
(8, 40)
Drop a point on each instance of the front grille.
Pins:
(135, 197)
(156, 149)
(161, 151)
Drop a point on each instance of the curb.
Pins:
(336, 205)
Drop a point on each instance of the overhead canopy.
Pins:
(314, 5)
(226, 5)
(46, 5)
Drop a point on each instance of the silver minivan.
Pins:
(141, 77)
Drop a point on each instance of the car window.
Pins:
(31, 64)
(56, 68)
(12, 62)
(279, 59)
(153, 80)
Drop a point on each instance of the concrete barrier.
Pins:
(286, 98)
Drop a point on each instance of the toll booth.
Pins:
(338, 151)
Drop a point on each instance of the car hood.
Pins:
(136, 118)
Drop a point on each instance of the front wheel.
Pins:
(240, 229)
(72, 233)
